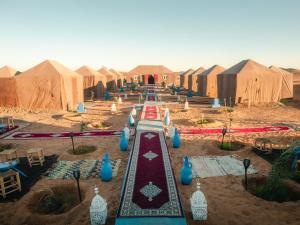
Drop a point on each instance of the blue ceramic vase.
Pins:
(176, 139)
(106, 169)
(186, 174)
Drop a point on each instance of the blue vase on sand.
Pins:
(123, 142)
(176, 139)
(106, 169)
(186, 174)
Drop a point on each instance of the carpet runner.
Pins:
(149, 194)
(150, 112)
(51, 135)
(13, 129)
(187, 131)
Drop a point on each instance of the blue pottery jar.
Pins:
(123, 144)
(106, 169)
(176, 139)
(186, 174)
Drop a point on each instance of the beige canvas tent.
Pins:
(7, 71)
(49, 85)
(251, 82)
(207, 81)
(8, 87)
(184, 78)
(120, 77)
(192, 79)
(111, 79)
(93, 81)
(287, 82)
(296, 83)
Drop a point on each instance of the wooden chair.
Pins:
(9, 182)
(35, 156)
(263, 144)
(9, 155)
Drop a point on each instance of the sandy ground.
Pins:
(228, 202)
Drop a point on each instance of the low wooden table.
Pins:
(9, 155)
(35, 156)
(9, 182)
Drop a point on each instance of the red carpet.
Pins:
(233, 130)
(50, 135)
(150, 113)
(150, 188)
(150, 97)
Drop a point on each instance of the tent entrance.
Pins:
(151, 79)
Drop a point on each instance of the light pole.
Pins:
(224, 131)
(72, 139)
(246, 163)
(76, 175)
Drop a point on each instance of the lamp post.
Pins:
(72, 138)
(224, 131)
(76, 175)
(246, 163)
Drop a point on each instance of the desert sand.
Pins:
(228, 202)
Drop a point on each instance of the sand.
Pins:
(228, 202)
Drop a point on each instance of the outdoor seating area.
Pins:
(156, 128)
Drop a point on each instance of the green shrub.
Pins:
(58, 200)
(6, 146)
(84, 149)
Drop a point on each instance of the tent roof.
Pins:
(282, 71)
(106, 72)
(198, 71)
(48, 68)
(246, 65)
(150, 69)
(88, 71)
(7, 71)
(211, 70)
(188, 72)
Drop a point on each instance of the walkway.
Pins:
(149, 194)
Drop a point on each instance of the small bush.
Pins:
(84, 149)
(6, 146)
(57, 200)
(231, 146)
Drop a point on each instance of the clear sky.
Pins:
(125, 33)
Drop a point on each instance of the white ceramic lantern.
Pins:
(98, 209)
(199, 205)
(186, 105)
(120, 100)
(127, 132)
(113, 108)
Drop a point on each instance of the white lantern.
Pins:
(113, 108)
(119, 100)
(127, 132)
(98, 209)
(186, 105)
(178, 98)
(125, 96)
(199, 205)
(133, 111)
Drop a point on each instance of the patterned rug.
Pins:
(151, 98)
(33, 174)
(149, 187)
(13, 129)
(213, 166)
(51, 135)
(150, 112)
(88, 168)
(187, 131)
